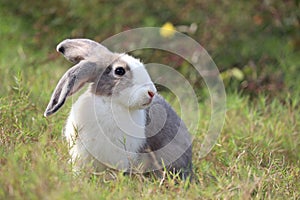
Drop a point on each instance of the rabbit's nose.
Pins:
(151, 94)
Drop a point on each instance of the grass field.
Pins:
(256, 156)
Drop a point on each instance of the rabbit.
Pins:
(120, 121)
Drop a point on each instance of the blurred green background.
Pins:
(255, 44)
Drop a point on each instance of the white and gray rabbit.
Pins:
(120, 122)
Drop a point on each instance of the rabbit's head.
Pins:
(119, 77)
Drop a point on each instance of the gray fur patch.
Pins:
(104, 83)
(165, 137)
(108, 83)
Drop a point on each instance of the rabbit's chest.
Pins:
(108, 132)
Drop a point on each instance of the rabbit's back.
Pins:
(167, 138)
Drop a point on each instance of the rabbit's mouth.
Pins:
(150, 99)
(148, 103)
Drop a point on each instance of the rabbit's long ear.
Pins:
(76, 50)
(71, 82)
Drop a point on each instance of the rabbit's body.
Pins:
(120, 122)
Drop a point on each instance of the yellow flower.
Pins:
(167, 30)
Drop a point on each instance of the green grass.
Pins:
(257, 154)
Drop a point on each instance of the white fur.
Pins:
(140, 74)
(136, 96)
(103, 132)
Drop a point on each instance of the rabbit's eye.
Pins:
(120, 71)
